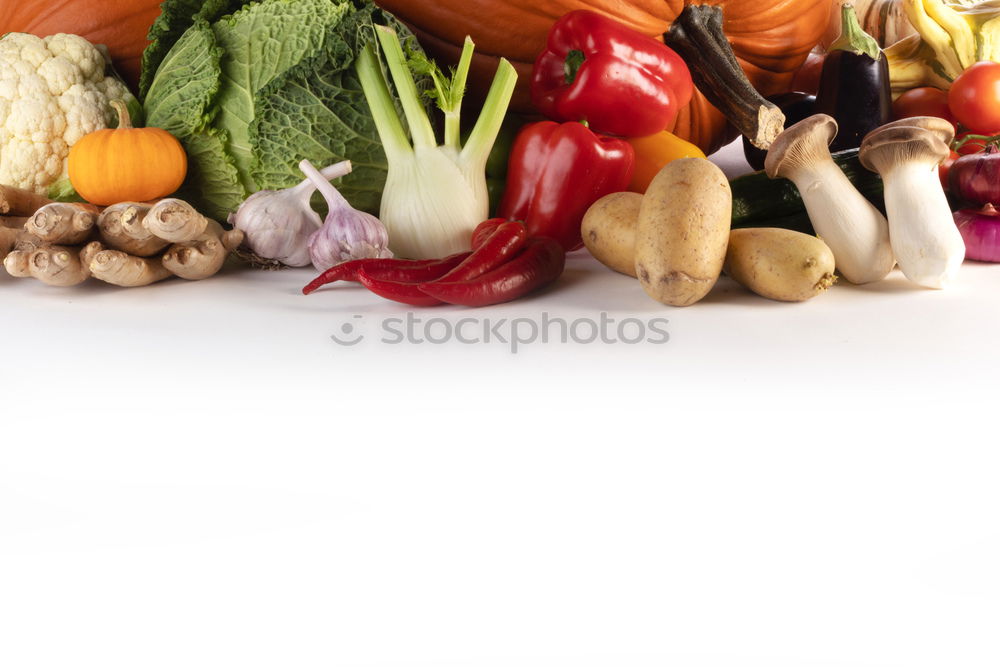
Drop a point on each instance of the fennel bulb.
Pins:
(434, 195)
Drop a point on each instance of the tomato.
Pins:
(944, 167)
(974, 98)
(925, 101)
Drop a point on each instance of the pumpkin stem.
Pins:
(696, 34)
(124, 120)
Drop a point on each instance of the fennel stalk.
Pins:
(435, 194)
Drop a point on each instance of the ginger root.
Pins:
(20, 202)
(176, 221)
(16, 259)
(68, 224)
(120, 226)
(8, 239)
(124, 270)
(13, 221)
(203, 256)
(140, 243)
(10, 230)
(61, 266)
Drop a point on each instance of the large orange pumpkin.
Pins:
(771, 38)
(120, 24)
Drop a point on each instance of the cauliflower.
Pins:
(53, 91)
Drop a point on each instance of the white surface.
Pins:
(196, 474)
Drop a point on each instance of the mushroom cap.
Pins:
(891, 145)
(939, 126)
(799, 144)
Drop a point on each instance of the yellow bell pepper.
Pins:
(654, 151)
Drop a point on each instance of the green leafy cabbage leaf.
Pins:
(253, 92)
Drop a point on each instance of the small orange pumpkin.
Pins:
(126, 164)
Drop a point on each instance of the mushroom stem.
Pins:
(851, 226)
(855, 230)
(925, 239)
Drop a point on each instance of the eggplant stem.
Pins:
(697, 36)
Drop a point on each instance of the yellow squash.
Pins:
(951, 36)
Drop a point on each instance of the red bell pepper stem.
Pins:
(540, 263)
(506, 241)
(408, 293)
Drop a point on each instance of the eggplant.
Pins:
(796, 107)
(854, 85)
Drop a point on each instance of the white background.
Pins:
(196, 474)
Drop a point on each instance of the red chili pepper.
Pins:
(388, 269)
(506, 241)
(416, 274)
(484, 230)
(556, 171)
(618, 80)
(540, 263)
(408, 293)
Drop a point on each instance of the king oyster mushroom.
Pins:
(855, 230)
(924, 237)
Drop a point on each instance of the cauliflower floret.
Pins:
(53, 91)
(85, 110)
(87, 58)
(33, 165)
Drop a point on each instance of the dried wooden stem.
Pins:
(697, 35)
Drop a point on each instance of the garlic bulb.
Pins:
(279, 223)
(346, 233)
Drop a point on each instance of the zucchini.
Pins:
(759, 201)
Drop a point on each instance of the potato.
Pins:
(780, 264)
(683, 231)
(608, 230)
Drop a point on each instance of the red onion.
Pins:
(976, 177)
(981, 231)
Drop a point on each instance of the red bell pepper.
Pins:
(556, 171)
(618, 80)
